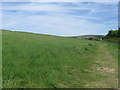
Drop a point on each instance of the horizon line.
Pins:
(51, 34)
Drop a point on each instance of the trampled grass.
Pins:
(42, 61)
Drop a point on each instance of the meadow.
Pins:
(45, 61)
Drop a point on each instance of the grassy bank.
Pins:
(33, 60)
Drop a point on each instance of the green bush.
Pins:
(113, 33)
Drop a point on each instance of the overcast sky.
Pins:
(60, 18)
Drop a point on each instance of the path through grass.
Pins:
(106, 66)
(43, 61)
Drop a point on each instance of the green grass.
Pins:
(113, 39)
(44, 61)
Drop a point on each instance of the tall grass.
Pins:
(33, 60)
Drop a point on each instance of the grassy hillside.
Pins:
(91, 37)
(113, 39)
(34, 60)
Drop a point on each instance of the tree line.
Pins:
(113, 33)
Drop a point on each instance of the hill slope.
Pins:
(33, 60)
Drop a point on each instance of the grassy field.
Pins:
(42, 61)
